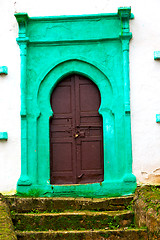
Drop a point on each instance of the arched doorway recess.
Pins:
(76, 134)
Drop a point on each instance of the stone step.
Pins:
(20, 204)
(72, 220)
(120, 234)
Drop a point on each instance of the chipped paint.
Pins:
(152, 177)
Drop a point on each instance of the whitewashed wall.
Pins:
(144, 76)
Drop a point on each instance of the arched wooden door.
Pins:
(76, 134)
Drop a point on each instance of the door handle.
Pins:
(80, 176)
(79, 134)
(76, 135)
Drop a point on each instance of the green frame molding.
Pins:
(52, 48)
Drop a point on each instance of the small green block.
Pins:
(3, 70)
(157, 118)
(3, 135)
(156, 55)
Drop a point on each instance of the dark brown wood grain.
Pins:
(76, 134)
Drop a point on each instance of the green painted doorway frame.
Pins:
(51, 48)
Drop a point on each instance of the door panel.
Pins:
(90, 153)
(61, 106)
(63, 157)
(76, 141)
(62, 144)
(87, 103)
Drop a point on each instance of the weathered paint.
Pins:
(52, 48)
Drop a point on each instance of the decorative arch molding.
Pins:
(79, 60)
(69, 67)
(101, 56)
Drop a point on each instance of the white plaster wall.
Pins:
(145, 90)
(144, 76)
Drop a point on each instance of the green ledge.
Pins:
(3, 135)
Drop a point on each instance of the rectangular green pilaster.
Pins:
(22, 41)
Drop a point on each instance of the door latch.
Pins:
(80, 176)
(76, 135)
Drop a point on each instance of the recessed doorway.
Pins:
(76, 132)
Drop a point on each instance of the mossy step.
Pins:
(120, 234)
(72, 220)
(20, 204)
(6, 225)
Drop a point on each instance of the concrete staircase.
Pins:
(70, 218)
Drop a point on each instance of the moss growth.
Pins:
(75, 220)
(151, 196)
(147, 209)
(6, 226)
(34, 192)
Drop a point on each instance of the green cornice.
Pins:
(22, 19)
(25, 17)
(53, 31)
(125, 14)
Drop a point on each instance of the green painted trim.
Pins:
(78, 17)
(22, 19)
(157, 118)
(95, 190)
(52, 48)
(125, 36)
(23, 41)
(48, 34)
(3, 70)
(68, 42)
(3, 135)
(156, 55)
(122, 10)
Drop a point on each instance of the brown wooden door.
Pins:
(76, 140)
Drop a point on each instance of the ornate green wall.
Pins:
(96, 46)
